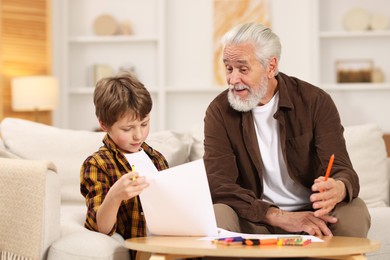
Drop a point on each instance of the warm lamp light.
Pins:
(34, 93)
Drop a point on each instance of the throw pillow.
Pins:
(174, 146)
(368, 154)
(197, 147)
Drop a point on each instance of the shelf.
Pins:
(112, 39)
(357, 34)
(82, 49)
(89, 91)
(81, 91)
(211, 89)
(335, 43)
(356, 86)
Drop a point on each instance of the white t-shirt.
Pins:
(279, 188)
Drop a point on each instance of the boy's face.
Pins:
(129, 133)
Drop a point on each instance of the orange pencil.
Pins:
(329, 168)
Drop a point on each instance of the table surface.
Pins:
(192, 246)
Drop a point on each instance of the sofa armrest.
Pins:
(30, 208)
(388, 174)
(51, 224)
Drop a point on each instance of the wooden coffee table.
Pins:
(165, 247)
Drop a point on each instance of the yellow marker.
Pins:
(133, 170)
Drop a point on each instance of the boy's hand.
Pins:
(128, 186)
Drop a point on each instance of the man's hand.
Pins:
(327, 195)
(303, 221)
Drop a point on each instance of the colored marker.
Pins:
(261, 242)
(228, 240)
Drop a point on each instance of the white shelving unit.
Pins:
(82, 49)
(358, 103)
(172, 50)
(337, 43)
(161, 49)
(178, 78)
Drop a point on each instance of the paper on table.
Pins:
(176, 196)
(225, 233)
(178, 202)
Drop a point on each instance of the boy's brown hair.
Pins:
(116, 96)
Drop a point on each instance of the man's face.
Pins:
(245, 75)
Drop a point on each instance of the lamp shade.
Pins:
(34, 93)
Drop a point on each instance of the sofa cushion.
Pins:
(72, 218)
(368, 154)
(88, 245)
(379, 230)
(197, 146)
(69, 148)
(5, 154)
(174, 146)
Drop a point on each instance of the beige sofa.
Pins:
(61, 232)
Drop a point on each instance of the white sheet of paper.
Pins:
(142, 163)
(225, 233)
(178, 202)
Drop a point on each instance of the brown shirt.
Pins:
(310, 131)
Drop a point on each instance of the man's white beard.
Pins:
(253, 99)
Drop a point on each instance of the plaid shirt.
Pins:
(99, 172)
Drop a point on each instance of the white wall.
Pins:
(56, 50)
(189, 60)
(293, 22)
(189, 40)
(190, 57)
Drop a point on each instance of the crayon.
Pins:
(293, 242)
(133, 169)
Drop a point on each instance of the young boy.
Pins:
(107, 181)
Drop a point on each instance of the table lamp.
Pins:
(34, 93)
